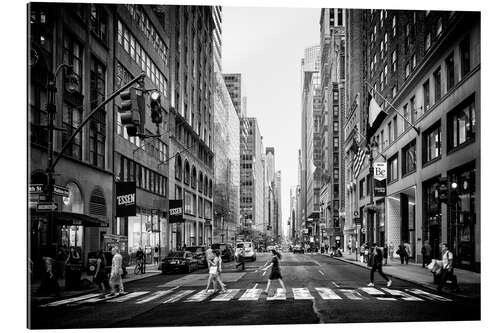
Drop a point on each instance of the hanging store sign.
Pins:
(175, 211)
(380, 179)
(125, 199)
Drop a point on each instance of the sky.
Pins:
(266, 46)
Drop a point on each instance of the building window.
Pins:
(187, 173)
(392, 168)
(427, 96)
(428, 41)
(409, 158)
(394, 60)
(414, 61)
(462, 124)
(73, 55)
(361, 188)
(390, 132)
(450, 72)
(72, 117)
(382, 138)
(413, 110)
(335, 111)
(336, 142)
(200, 182)
(431, 143)
(98, 122)
(407, 70)
(437, 84)
(385, 75)
(335, 126)
(395, 126)
(407, 116)
(439, 27)
(98, 21)
(465, 56)
(394, 26)
(178, 168)
(335, 174)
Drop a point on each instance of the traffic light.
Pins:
(155, 104)
(132, 111)
(454, 197)
(443, 190)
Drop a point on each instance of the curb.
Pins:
(421, 284)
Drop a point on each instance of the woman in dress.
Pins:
(213, 272)
(275, 271)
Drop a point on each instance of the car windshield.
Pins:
(176, 254)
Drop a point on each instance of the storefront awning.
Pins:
(68, 218)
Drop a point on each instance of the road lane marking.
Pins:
(179, 295)
(386, 298)
(336, 285)
(278, 296)
(371, 291)
(255, 286)
(199, 296)
(264, 273)
(128, 296)
(321, 272)
(251, 295)
(155, 295)
(227, 296)
(352, 294)
(327, 293)
(404, 296)
(428, 295)
(70, 300)
(302, 293)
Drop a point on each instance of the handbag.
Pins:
(212, 270)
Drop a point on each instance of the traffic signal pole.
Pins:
(89, 116)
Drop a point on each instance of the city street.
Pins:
(319, 290)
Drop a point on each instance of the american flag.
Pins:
(358, 161)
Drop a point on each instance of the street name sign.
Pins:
(36, 188)
(61, 190)
(46, 206)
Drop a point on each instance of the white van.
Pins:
(245, 251)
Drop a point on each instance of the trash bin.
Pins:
(73, 276)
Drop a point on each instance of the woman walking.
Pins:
(213, 272)
(377, 266)
(101, 278)
(275, 272)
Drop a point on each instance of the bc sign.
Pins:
(380, 175)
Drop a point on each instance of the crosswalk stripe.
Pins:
(179, 295)
(199, 296)
(386, 298)
(155, 295)
(251, 295)
(69, 300)
(128, 296)
(327, 293)
(280, 295)
(372, 291)
(352, 294)
(404, 296)
(94, 300)
(428, 295)
(227, 296)
(301, 293)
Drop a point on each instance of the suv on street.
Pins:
(298, 249)
(226, 251)
(245, 251)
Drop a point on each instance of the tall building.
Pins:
(227, 164)
(332, 46)
(191, 122)
(269, 191)
(234, 86)
(251, 176)
(311, 149)
(277, 190)
(217, 37)
(426, 65)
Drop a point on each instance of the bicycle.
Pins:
(138, 266)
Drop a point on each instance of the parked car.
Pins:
(298, 249)
(92, 263)
(226, 251)
(199, 253)
(179, 261)
(245, 251)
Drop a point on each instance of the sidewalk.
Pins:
(469, 282)
(151, 270)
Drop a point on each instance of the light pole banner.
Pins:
(380, 179)
(175, 211)
(125, 199)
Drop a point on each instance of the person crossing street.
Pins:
(377, 266)
(115, 279)
(275, 271)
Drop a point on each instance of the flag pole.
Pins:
(392, 106)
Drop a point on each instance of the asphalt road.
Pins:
(318, 290)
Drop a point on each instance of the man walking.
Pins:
(447, 272)
(377, 266)
(116, 272)
(426, 254)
